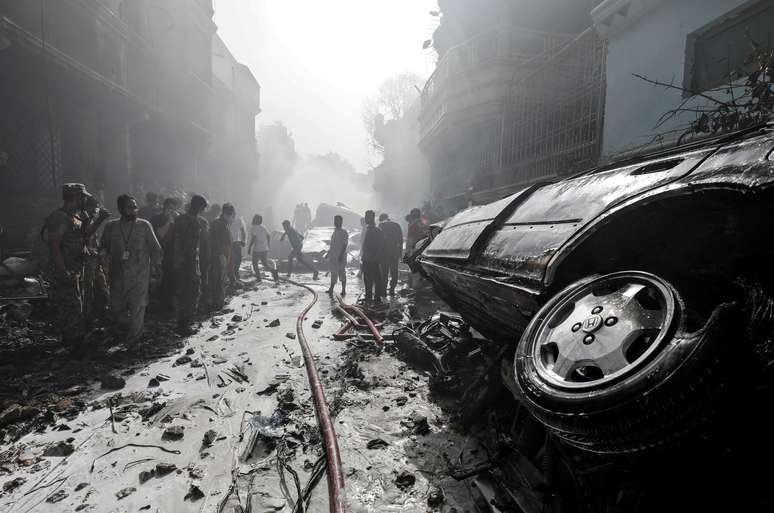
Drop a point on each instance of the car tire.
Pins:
(577, 383)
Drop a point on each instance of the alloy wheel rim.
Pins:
(603, 331)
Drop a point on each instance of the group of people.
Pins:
(190, 254)
(191, 258)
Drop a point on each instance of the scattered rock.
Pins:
(196, 472)
(81, 486)
(190, 351)
(173, 433)
(125, 492)
(162, 469)
(57, 496)
(317, 324)
(291, 336)
(182, 360)
(436, 498)
(385, 408)
(83, 506)
(209, 437)
(263, 303)
(237, 318)
(376, 443)
(153, 383)
(63, 404)
(213, 338)
(194, 494)
(73, 390)
(269, 389)
(12, 485)
(59, 450)
(274, 323)
(16, 413)
(418, 424)
(401, 400)
(145, 475)
(405, 480)
(110, 382)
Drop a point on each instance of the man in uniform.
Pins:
(66, 228)
(191, 251)
(94, 283)
(393, 251)
(131, 248)
(220, 255)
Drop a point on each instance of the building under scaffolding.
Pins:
(123, 96)
(512, 105)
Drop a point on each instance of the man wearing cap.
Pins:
(393, 251)
(67, 233)
(190, 249)
(132, 247)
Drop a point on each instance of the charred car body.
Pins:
(622, 289)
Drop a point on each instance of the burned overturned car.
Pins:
(633, 296)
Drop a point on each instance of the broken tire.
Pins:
(662, 383)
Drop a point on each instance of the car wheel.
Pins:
(608, 366)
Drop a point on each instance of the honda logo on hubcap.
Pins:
(592, 323)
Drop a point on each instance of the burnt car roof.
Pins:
(520, 238)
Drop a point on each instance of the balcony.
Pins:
(474, 77)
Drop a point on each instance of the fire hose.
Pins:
(342, 307)
(324, 422)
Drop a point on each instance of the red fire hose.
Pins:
(328, 433)
(344, 306)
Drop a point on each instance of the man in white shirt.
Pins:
(238, 239)
(337, 255)
(260, 240)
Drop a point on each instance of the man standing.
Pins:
(151, 207)
(260, 241)
(190, 250)
(337, 255)
(220, 255)
(94, 283)
(371, 257)
(66, 243)
(393, 250)
(131, 247)
(162, 226)
(238, 240)
(297, 245)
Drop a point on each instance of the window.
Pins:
(722, 46)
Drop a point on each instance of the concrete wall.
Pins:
(653, 45)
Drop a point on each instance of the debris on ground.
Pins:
(376, 443)
(59, 450)
(209, 437)
(274, 323)
(125, 492)
(405, 480)
(173, 433)
(110, 382)
(194, 494)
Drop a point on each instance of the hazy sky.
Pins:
(318, 60)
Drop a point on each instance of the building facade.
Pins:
(118, 94)
(691, 44)
(516, 97)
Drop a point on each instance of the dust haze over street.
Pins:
(454, 256)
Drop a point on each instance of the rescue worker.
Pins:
(220, 255)
(66, 244)
(162, 226)
(416, 231)
(296, 248)
(337, 255)
(132, 248)
(96, 297)
(371, 258)
(393, 251)
(260, 242)
(190, 256)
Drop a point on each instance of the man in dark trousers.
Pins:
(371, 258)
(393, 251)
(220, 255)
(190, 253)
(297, 245)
(162, 226)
